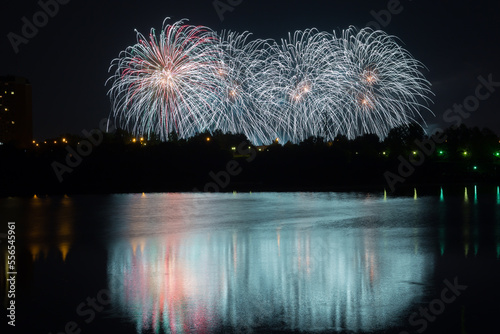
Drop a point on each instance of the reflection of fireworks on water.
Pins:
(190, 79)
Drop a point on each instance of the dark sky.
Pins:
(67, 61)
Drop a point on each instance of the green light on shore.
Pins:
(475, 167)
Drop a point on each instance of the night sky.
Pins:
(67, 61)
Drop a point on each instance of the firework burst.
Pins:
(382, 84)
(189, 79)
(297, 84)
(238, 67)
(167, 82)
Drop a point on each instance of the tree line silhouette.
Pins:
(120, 162)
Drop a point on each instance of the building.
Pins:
(16, 121)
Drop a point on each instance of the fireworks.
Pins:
(191, 79)
(298, 83)
(238, 66)
(382, 84)
(167, 83)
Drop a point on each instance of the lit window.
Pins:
(13, 122)
(11, 93)
(6, 109)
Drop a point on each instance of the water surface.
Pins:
(261, 262)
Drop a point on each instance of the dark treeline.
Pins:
(118, 162)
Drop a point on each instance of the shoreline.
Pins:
(407, 190)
